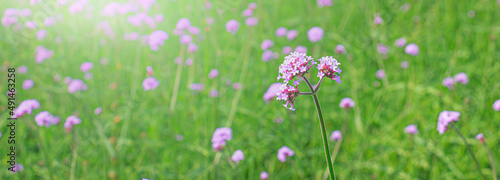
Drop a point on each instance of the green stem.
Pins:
(491, 162)
(323, 129)
(470, 150)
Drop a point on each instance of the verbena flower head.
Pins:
(247, 12)
(183, 23)
(28, 84)
(380, 74)
(76, 85)
(400, 42)
(340, 49)
(411, 129)
(22, 69)
(329, 67)
(336, 136)
(150, 83)
(284, 152)
(42, 54)
(295, 65)
(264, 175)
(288, 93)
(238, 156)
(213, 73)
(301, 49)
(287, 50)
(267, 55)
(266, 44)
(404, 64)
(378, 20)
(448, 82)
(412, 49)
(346, 103)
(197, 87)
(86, 66)
(382, 49)
(232, 26)
(480, 137)
(251, 21)
(323, 3)
(214, 93)
(292, 34)
(71, 121)
(315, 34)
(156, 38)
(98, 110)
(185, 39)
(40, 34)
(220, 137)
(496, 105)
(280, 32)
(44, 118)
(445, 118)
(461, 78)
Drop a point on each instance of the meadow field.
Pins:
(185, 89)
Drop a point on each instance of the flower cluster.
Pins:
(71, 121)
(221, 135)
(26, 107)
(44, 118)
(295, 65)
(411, 129)
(287, 93)
(329, 67)
(445, 118)
(284, 152)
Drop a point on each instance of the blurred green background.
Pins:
(136, 136)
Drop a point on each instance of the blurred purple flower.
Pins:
(266, 44)
(238, 156)
(401, 42)
(86, 66)
(213, 73)
(197, 87)
(380, 74)
(448, 82)
(71, 121)
(411, 129)
(46, 119)
(346, 103)
(412, 49)
(292, 34)
(28, 84)
(445, 118)
(336, 136)
(280, 32)
(315, 34)
(150, 83)
(340, 49)
(284, 152)
(232, 26)
(461, 78)
(272, 91)
(251, 21)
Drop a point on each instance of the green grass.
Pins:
(145, 144)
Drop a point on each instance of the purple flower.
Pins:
(448, 82)
(315, 34)
(185, 39)
(247, 12)
(178, 60)
(267, 55)
(22, 69)
(40, 34)
(295, 65)
(292, 34)
(76, 85)
(287, 93)
(287, 50)
(150, 83)
(98, 110)
(251, 21)
(323, 3)
(340, 49)
(237, 156)
(346, 103)
(378, 20)
(252, 6)
(28, 84)
(411, 129)
(301, 49)
(156, 38)
(480, 137)
(496, 105)
(404, 64)
(445, 118)
(26, 107)
(18, 168)
(214, 93)
(329, 67)
(194, 30)
(213, 73)
(284, 152)
(189, 61)
(71, 121)
(42, 54)
(461, 78)
(192, 47)
(209, 20)
(220, 137)
(380, 74)
(237, 86)
(232, 26)
(336, 136)
(197, 87)
(412, 49)
(382, 49)
(400, 42)
(86, 66)
(46, 119)
(266, 44)
(264, 175)
(30, 24)
(280, 32)
(272, 91)
(183, 23)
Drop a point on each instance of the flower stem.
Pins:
(339, 142)
(177, 81)
(323, 129)
(491, 162)
(470, 150)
